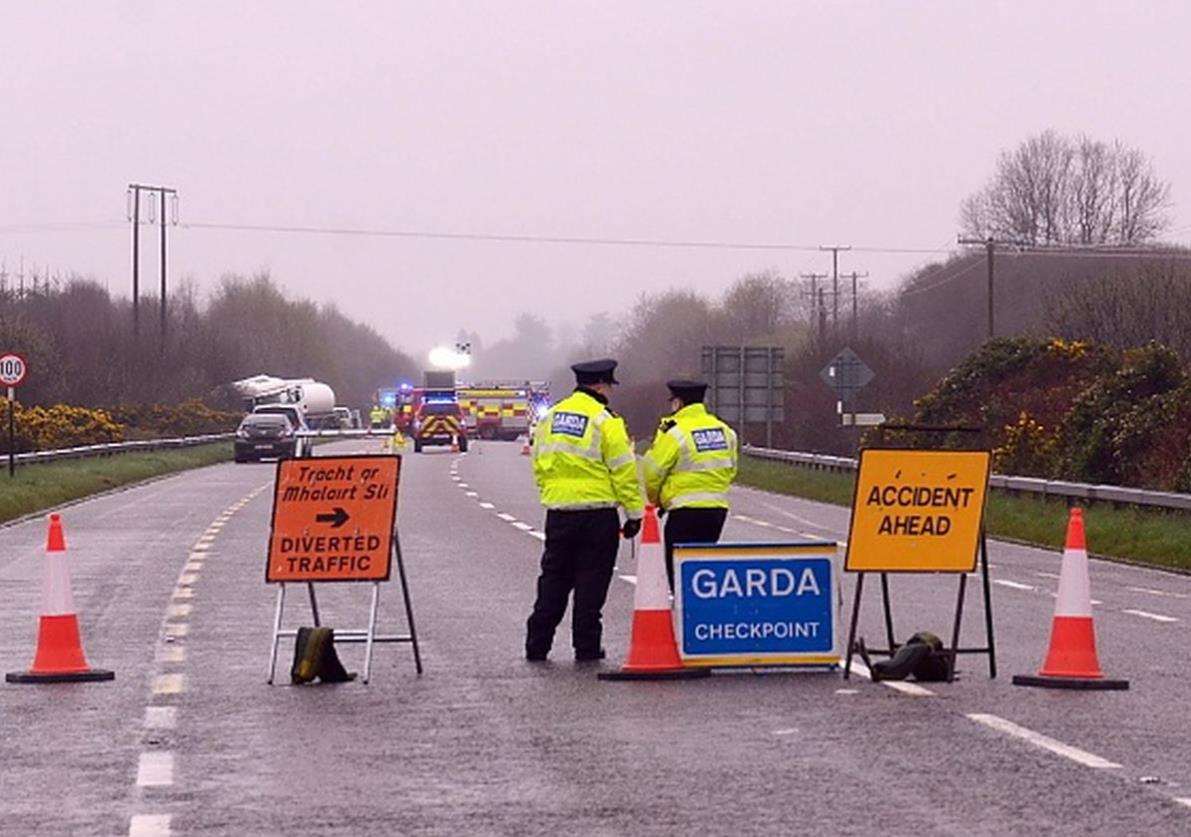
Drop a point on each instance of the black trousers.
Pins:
(691, 526)
(580, 555)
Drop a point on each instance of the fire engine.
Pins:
(491, 410)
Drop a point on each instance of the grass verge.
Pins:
(43, 486)
(1152, 537)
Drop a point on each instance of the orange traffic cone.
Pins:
(653, 653)
(1071, 662)
(59, 657)
(525, 448)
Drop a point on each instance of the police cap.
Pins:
(689, 392)
(595, 371)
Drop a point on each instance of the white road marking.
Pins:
(183, 593)
(1047, 575)
(176, 629)
(1183, 800)
(155, 770)
(150, 825)
(1145, 614)
(487, 506)
(905, 688)
(1154, 592)
(1045, 742)
(456, 477)
(178, 610)
(790, 731)
(847, 691)
(187, 579)
(169, 684)
(161, 717)
(192, 566)
(471, 493)
(524, 527)
(508, 518)
(1016, 585)
(171, 654)
(539, 535)
(200, 547)
(631, 579)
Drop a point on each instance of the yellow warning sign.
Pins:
(918, 511)
(333, 519)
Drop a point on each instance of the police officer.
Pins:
(584, 466)
(377, 416)
(689, 468)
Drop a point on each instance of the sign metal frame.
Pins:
(979, 562)
(368, 635)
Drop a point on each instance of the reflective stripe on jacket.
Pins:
(582, 458)
(692, 461)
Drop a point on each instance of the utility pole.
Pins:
(855, 302)
(990, 246)
(816, 299)
(135, 190)
(835, 248)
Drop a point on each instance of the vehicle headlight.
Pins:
(241, 433)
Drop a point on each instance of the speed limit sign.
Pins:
(13, 369)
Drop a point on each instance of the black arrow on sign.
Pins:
(336, 518)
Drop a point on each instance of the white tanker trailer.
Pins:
(314, 399)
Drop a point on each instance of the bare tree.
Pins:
(1055, 190)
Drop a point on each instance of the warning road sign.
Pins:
(918, 511)
(333, 519)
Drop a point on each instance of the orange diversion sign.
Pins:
(333, 519)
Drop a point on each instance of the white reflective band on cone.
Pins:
(56, 596)
(1075, 591)
(653, 592)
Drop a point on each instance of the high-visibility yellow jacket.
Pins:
(582, 458)
(692, 461)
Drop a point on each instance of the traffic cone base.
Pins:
(1070, 682)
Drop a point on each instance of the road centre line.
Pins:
(174, 630)
(169, 684)
(1016, 585)
(539, 535)
(524, 527)
(178, 611)
(161, 717)
(150, 825)
(1043, 741)
(1154, 592)
(155, 770)
(183, 593)
(472, 493)
(508, 518)
(1145, 614)
(186, 579)
(484, 505)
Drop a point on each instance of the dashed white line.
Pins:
(539, 535)
(524, 527)
(178, 610)
(192, 566)
(1015, 585)
(176, 629)
(161, 717)
(171, 654)
(1145, 614)
(1047, 575)
(183, 593)
(1183, 800)
(789, 731)
(487, 506)
(169, 684)
(1043, 741)
(155, 770)
(150, 825)
(631, 579)
(1154, 592)
(507, 518)
(187, 579)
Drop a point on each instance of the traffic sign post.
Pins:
(755, 605)
(920, 511)
(13, 369)
(334, 520)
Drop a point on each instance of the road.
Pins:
(189, 739)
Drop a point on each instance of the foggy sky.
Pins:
(806, 123)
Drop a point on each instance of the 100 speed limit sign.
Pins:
(13, 369)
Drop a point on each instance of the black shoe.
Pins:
(590, 656)
(535, 656)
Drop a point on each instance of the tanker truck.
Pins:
(314, 400)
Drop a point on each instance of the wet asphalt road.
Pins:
(168, 578)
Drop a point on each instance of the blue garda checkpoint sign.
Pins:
(758, 604)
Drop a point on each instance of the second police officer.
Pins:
(585, 468)
(689, 469)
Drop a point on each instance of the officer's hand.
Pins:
(631, 528)
(661, 512)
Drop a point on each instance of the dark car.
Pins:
(262, 435)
